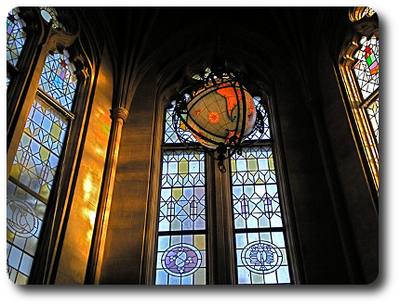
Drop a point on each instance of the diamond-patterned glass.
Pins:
(58, 79)
(39, 150)
(181, 250)
(254, 189)
(170, 135)
(15, 36)
(182, 202)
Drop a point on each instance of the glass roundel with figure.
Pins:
(219, 112)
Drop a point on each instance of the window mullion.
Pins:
(222, 263)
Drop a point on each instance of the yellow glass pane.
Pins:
(271, 163)
(183, 167)
(44, 154)
(10, 236)
(252, 165)
(199, 242)
(177, 193)
(44, 191)
(56, 130)
(15, 172)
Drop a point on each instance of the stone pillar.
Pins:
(336, 193)
(95, 260)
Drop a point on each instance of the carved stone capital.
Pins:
(119, 113)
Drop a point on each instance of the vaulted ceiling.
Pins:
(177, 41)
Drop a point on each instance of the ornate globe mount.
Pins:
(219, 112)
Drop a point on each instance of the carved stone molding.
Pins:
(119, 113)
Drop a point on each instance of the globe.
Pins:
(217, 115)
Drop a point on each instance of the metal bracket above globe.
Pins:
(219, 112)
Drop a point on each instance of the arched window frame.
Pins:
(364, 23)
(219, 211)
(44, 38)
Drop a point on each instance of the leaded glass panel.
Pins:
(25, 215)
(50, 14)
(181, 260)
(256, 134)
(254, 189)
(35, 164)
(15, 36)
(182, 201)
(170, 135)
(181, 246)
(58, 79)
(261, 258)
(366, 69)
(259, 240)
(373, 114)
(39, 150)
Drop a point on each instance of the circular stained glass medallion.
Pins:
(262, 257)
(181, 260)
(21, 218)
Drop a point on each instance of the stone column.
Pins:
(336, 193)
(95, 260)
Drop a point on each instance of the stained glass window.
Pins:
(50, 14)
(365, 99)
(16, 36)
(181, 250)
(39, 150)
(260, 253)
(181, 260)
(182, 203)
(263, 134)
(25, 215)
(373, 114)
(366, 69)
(260, 245)
(34, 169)
(170, 134)
(58, 79)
